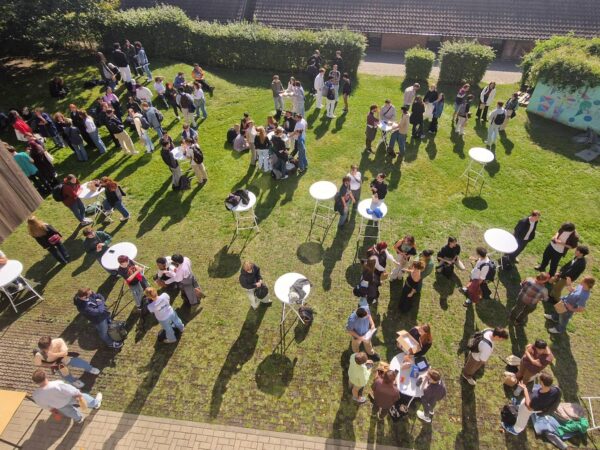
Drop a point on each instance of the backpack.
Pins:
(197, 155)
(232, 201)
(57, 193)
(159, 116)
(243, 194)
(330, 93)
(117, 330)
(508, 415)
(473, 342)
(499, 119)
(184, 184)
(306, 314)
(491, 275)
(145, 123)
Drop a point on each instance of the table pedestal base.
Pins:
(12, 293)
(245, 220)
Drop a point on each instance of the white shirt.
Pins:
(531, 225)
(481, 269)
(319, 82)
(355, 181)
(90, 126)
(485, 350)
(184, 270)
(56, 394)
(409, 95)
(490, 99)
(161, 307)
(198, 94)
(560, 248)
(301, 126)
(144, 94)
(159, 88)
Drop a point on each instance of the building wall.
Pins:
(396, 42)
(516, 49)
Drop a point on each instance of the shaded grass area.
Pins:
(236, 366)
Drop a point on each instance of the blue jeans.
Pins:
(118, 206)
(146, 68)
(58, 140)
(102, 329)
(302, 160)
(200, 106)
(72, 412)
(172, 321)
(159, 131)
(80, 152)
(492, 133)
(344, 213)
(563, 321)
(60, 253)
(137, 290)
(79, 363)
(401, 140)
(78, 210)
(148, 142)
(279, 106)
(95, 137)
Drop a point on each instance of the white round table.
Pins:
(406, 384)
(481, 155)
(500, 240)
(244, 216)
(242, 208)
(282, 292)
(365, 218)
(367, 203)
(9, 273)
(179, 153)
(322, 190)
(385, 128)
(110, 258)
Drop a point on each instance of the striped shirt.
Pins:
(531, 292)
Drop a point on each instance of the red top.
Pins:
(69, 192)
(21, 126)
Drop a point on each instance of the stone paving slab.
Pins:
(32, 428)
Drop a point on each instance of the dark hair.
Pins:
(177, 258)
(116, 46)
(500, 104)
(404, 108)
(360, 358)
(44, 342)
(346, 178)
(427, 253)
(362, 312)
(38, 376)
(546, 379)
(123, 258)
(381, 174)
(481, 251)
(583, 249)
(161, 260)
(435, 375)
(567, 226)
(372, 107)
(389, 377)
(500, 333)
(540, 343)
(87, 231)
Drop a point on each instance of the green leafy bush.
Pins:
(166, 31)
(566, 62)
(464, 61)
(419, 62)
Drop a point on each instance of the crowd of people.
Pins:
(273, 147)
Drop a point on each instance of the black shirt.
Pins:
(119, 58)
(448, 252)
(381, 188)
(544, 401)
(431, 96)
(573, 269)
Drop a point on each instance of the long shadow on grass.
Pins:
(343, 424)
(160, 359)
(565, 367)
(335, 252)
(239, 354)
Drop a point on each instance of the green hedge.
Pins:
(464, 61)
(165, 31)
(566, 62)
(418, 62)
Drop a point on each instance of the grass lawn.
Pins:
(232, 365)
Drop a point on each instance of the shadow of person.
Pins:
(239, 354)
(49, 431)
(468, 437)
(459, 144)
(376, 431)
(343, 424)
(492, 312)
(481, 129)
(412, 149)
(518, 339)
(87, 262)
(431, 148)
(493, 167)
(395, 174)
(445, 287)
(43, 270)
(468, 330)
(243, 182)
(160, 359)
(224, 264)
(339, 123)
(322, 128)
(393, 320)
(335, 252)
(158, 193)
(565, 366)
(310, 118)
(423, 440)
(274, 374)
(506, 142)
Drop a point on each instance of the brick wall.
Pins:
(395, 42)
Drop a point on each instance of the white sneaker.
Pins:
(98, 400)
(553, 330)
(470, 380)
(549, 317)
(78, 384)
(169, 341)
(421, 415)
(95, 371)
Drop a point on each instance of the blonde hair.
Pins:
(248, 265)
(151, 292)
(262, 134)
(36, 227)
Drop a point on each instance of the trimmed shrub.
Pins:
(419, 62)
(566, 62)
(464, 61)
(165, 31)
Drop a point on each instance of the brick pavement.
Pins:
(34, 429)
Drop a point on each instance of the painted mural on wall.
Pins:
(579, 109)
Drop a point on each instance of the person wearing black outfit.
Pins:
(378, 187)
(448, 258)
(370, 279)
(569, 272)
(416, 118)
(338, 61)
(120, 60)
(524, 233)
(251, 280)
(45, 168)
(92, 306)
(58, 88)
(280, 151)
(49, 238)
(565, 238)
(80, 124)
(129, 50)
(422, 334)
(166, 155)
(315, 59)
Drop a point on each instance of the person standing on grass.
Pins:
(438, 108)
(160, 306)
(171, 96)
(186, 103)
(496, 119)
(46, 127)
(336, 77)
(359, 326)
(189, 133)
(199, 76)
(108, 70)
(359, 372)
(536, 358)
(486, 98)
(114, 198)
(430, 96)
(299, 98)
(411, 286)
(385, 392)
(111, 98)
(199, 100)
(277, 90)
(142, 60)
(300, 135)
(399, 133)
(416, 118)
(565, 239)
(69, 191)
(479, 355)
(154, 118)
(92, 131)
(166, 146)
(355, 183)
(54, 353)
(117, 129)
(533, 290)
(478, 279)
(448, 257)
(49, 238)
(194, 153)
(143, 94)
(120, 60)
(141, 125)
(76, 140)
(343, 201)
(524, 233)
(569, 273)
(410, 93)
(129, 51)
(318, 85)
(134, 278)
(346, 90)
(38, 154)
(160, 89)
(461, 95)
(187, 281)
(96, 243)
(387, 113)
(28, 167)
(251, 279)
(462, 114)
(338, 60)
(92, 306)
(434, 390)
(329, 90)
(511, 106)
(59, 396)
(371, 131)
(574, 302)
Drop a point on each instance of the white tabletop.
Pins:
(109, 259)
(367, 203)
(10, 271)
(406, 384)
(322, 190)
(178, 153)
(242, 208)
(386, 126)
(283, 136)
(85, 193)
(500, 240)
(481, 155)
(283, 284)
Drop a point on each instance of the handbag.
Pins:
(560, 307)
(261, 292)
(54, 239)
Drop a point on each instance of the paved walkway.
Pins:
(33, 428)
(379, 63)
